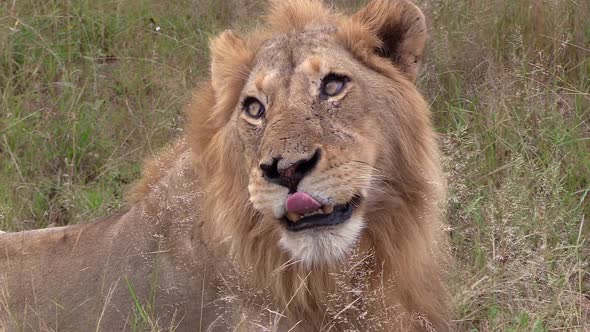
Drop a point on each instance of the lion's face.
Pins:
(310, 141)
(318, 125)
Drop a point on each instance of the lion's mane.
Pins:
(402, 237)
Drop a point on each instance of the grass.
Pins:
(509, 84)
(89, 88)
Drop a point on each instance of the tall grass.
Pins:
(510, 91)
(87, 88)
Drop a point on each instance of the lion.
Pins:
(305, 195)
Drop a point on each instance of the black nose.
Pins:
(289, 174)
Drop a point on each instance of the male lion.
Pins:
(304, 196)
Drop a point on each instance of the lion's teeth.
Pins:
(318, 211)
(294, 217)
(328, 209)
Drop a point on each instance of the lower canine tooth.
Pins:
(328, 209)
(294, 217)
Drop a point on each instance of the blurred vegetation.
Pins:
(89, 88)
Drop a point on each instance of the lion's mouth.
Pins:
(327, 215)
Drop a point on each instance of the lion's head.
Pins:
(311, 137)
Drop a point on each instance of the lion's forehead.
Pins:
(285, 52)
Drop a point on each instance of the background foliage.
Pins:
(89, 88)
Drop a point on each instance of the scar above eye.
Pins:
(315, 64)
(259, 81)
(312, 65)
(263, 82)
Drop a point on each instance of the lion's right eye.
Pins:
(253, 107)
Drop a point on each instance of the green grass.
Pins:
(89, 88)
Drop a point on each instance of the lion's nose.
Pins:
(289, 174)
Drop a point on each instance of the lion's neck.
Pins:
(368, 281)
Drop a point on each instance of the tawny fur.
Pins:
(203, 212)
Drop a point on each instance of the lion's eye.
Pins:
(332, 85)
(253, 107)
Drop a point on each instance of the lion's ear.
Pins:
(401, 29)
(230, 61)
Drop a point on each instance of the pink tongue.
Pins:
(301, 203)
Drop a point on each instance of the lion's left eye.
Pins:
(333, 85)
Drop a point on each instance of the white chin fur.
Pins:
(325, 245)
